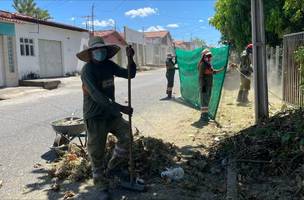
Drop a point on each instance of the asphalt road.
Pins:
(26, 133)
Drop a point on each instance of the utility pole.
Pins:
(92, 19)
(259, 61)
(87, 18)
(143, 49)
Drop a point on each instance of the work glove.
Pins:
(126, 110)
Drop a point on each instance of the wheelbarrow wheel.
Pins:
(60, 140)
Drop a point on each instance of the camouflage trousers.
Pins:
(98, 130)
(245, 83)
(244, 90)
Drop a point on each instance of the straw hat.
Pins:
(206, 52)
(97, 43)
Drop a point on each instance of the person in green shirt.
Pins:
(102, 115)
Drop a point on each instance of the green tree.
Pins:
(29, 7)
(233, 20)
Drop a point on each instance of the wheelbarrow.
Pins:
(66, 130)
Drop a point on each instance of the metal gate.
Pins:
(50, 58)
(291, 75)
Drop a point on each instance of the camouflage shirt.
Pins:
(245, 66)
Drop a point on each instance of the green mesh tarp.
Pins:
(188, 72)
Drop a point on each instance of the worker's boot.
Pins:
(118, 167)
(168, 97)
(169, 94)
(204, 117)
(102, 185)
(240, 96)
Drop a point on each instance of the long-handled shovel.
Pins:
(133, 184)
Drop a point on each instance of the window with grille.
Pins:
(10, 49)
(27, 47)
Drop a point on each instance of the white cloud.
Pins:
(155, 28)
(72, 18)
(102, 23)
(201, 20)
(141, 12)
(172, 26)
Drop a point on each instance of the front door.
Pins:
(8, 61)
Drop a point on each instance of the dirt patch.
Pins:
(269, 157)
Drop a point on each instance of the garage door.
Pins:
(50, 58)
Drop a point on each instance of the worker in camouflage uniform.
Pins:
(206, 72)
(170, 65)
(101, 113)
(245, 73)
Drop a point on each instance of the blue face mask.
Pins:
(99, 54)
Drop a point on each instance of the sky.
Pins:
(185, 19)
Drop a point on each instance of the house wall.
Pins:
(1, 63)
(121, 57)
(72, 42)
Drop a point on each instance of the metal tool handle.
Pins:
(131, 164)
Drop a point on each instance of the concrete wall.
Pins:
(72, 42)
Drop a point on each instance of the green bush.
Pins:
(299, 55)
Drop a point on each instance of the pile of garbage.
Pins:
(157, 162)
(269, 157)
(151, 156)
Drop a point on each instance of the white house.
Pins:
(36, 47)
(158, 44)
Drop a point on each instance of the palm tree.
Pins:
(29, 7)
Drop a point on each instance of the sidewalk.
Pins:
(19, 91)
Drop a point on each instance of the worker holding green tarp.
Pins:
(205, 73)
(189, 76)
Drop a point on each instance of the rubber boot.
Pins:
(240, 96)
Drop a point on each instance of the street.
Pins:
(26, 133)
